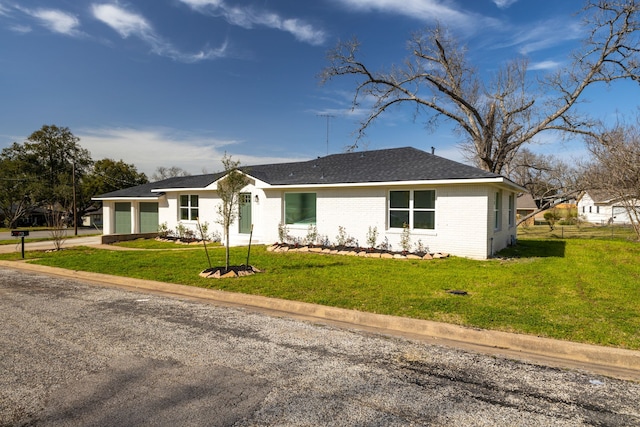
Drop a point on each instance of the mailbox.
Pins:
(19, 233)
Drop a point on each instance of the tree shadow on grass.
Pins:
(535, 249)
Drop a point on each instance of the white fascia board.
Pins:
(125, 199)
(176, 190)
(499, 181)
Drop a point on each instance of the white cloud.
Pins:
(503, 4)
(544, 65)
(21, 29)
(545, 34)
(148, 149)
(130, 24)
(124, 22)
(55, 20)
(425, 10)
(248, 17)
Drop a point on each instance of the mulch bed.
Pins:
(232, 271)
(354, 251)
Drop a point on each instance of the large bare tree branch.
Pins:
(498, 116)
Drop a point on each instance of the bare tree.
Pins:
(229, 189)
(170, 172)
(550, 181)
(496, 117)
(616, 167)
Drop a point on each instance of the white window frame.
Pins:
(497, 211)
(512, 208)
(192, 211)
(412, 209)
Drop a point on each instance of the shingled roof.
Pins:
(145, 190)
(390, 165)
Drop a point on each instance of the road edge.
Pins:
(608, 361)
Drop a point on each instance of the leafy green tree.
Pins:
(109, 175)
(46, 170)
(229, 189)
(54, 155)
(16, 188)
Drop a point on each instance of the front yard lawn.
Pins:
(579, 290)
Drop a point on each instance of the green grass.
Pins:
(159, 244)
(583, 290)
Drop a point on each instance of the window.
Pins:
(415, 208)
(188, 207)
(300, 208)
(511, 209)
(497, 211)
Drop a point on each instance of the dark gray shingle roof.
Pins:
(390, 165)
(144, 190)
(396, 164)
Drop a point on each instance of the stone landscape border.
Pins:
(352, 251)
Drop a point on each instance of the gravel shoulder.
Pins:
(76, 354)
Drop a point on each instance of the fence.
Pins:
(615, 231)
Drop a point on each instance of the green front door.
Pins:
(148, 217)
(245, 213)
(123, 218)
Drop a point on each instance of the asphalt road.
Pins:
(82, 231)
(76, 354)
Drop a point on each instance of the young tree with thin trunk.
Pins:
(498, 116)
(229, 189)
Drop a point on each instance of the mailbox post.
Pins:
(21, 234)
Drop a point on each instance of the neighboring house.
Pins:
(449, 207)
(93, 219)
(33, 218)
(602, 208)
(525, 206)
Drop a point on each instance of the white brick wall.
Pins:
(464, 217)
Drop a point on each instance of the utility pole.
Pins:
(328, 116)
(75, 207)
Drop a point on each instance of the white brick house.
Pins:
(449, 207)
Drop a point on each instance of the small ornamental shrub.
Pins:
(163, 231)
(283, 232)
(421, 248)
(181, 230)
(372, 237)
(405, 238)
(342, 237)
(203, 231)
(312, 235)
(385, 245)
(552, 216)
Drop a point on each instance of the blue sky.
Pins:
(179, 82)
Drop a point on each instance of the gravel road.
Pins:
(76, 354)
